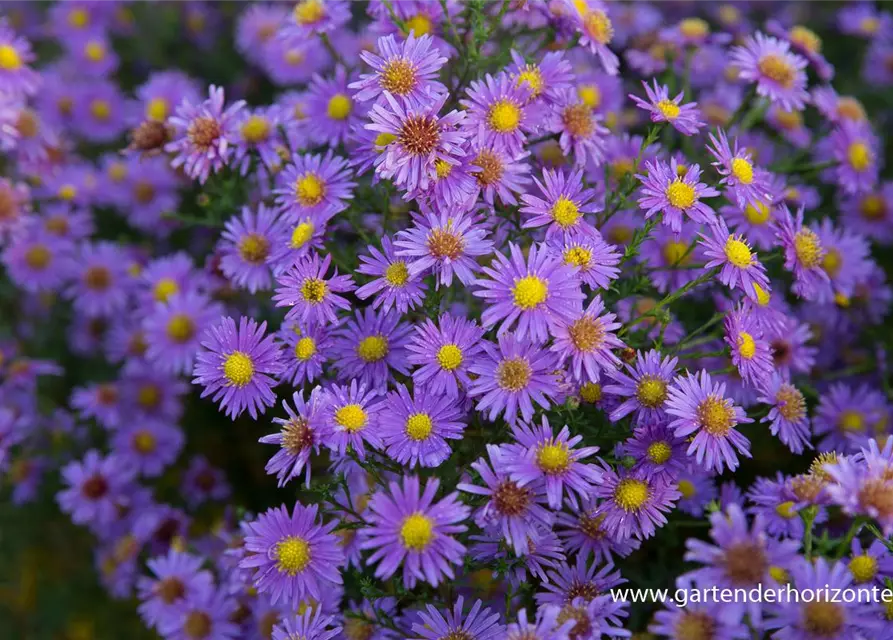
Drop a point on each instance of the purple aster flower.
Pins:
(299, 436)
(406, 69)
(542, 457)
(163, 91)
(457, 185)
(671, 256)
(414, 429)
(299, 237)
(499, 173)
(293, 555)
(256, 134)
(803, 255)
(370, 346)
(822, 617)
(205, 614)
(596, 32)
(657, 451)
(393, 286)
(149, 447)
(305, 352)
(37, 261)
(674, 190)
(203, 482)
(583, 533)
(416, 141)
(350, 419)
(204, 133)
(535, 293)
(870, 214)
(545, 626)
(447, 243)
(100, 283)
(332, 109)
(778, 73)
(16, 75)
(96, 488)
(790, 351)
(751, 352)
(314, 186)
(544, 552)
(644, 385)
(587, 340)
(174, 330)
(289, 59)
(845, 413)
(746, 184)
(245, 247)
(869, 566)
(696, 618)
(579, 128)
(175, 578)
(584, 580)
(858, 153)
(741, 556)
(100, 401)
(699, 405)
(756, 222)
(15, 204)
(698, 490)
(443, 354)
(479, 624)
(685, 118)
(512, 510)
(542, 78)
(163, 277)
(512, 377)
(595, 259)
(236, 366)
(406, 526)
(311, 294)
(634, 503)
(564, 207)
(787, 418)
(310, 17)
(498, 113)
(311, 625)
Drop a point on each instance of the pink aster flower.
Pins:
(587, 341)
(683, 117)
(406, 69)
(779, 74)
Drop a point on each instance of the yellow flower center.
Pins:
(305, 348)
(398, 77)
(10, 60)
(630, 494)
(396, 274)
(67, 192)
(823, 619)
(314, 290)
(339, 107)
(100, 109)
(564, 212)
(742, 170)
(254, 248)
(777, 69)
(351, 417)
(863, 568)
(763, 296)
(292, 555)
(530, 292)
(180, 328)
(157, 109)
(747, 347)
(382, 140)
(651, 392)
(553, 458)
(373, 348)
(419, 426)
(851, 109)
(586, 334)
(38, 257)
(417, 532)
(676, 253)
(533, 78)
(852, 421)
(789, 120)
(791, 404)
(578, 256)
(870, 25)
(504, 116)
(238, 369)
(873, 207)
(686, 488)
(256, 129)
(449, 356)
(590, 95)
(758, 214)
(693, 28)
(738, 253)
(805, 38)
(95, 51)
(164, 289)
(598, 26)
(781, 576)
(659, 452)
(442, 168)
(144, 442)
(680, 194)
(309, 12)
(786, 510)
(832, 262)
(808, 248)
(716, 415)
(591, 392)
(513, 374)
(668, 109)
(301, 234)
(310, 190)
(420, 24)
(859, 155)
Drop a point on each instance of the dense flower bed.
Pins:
(442, 320)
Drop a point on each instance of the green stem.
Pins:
(331, 49)
(672, 297)
(844, 546)
(808, 515)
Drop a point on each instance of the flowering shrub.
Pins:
(441, 320)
